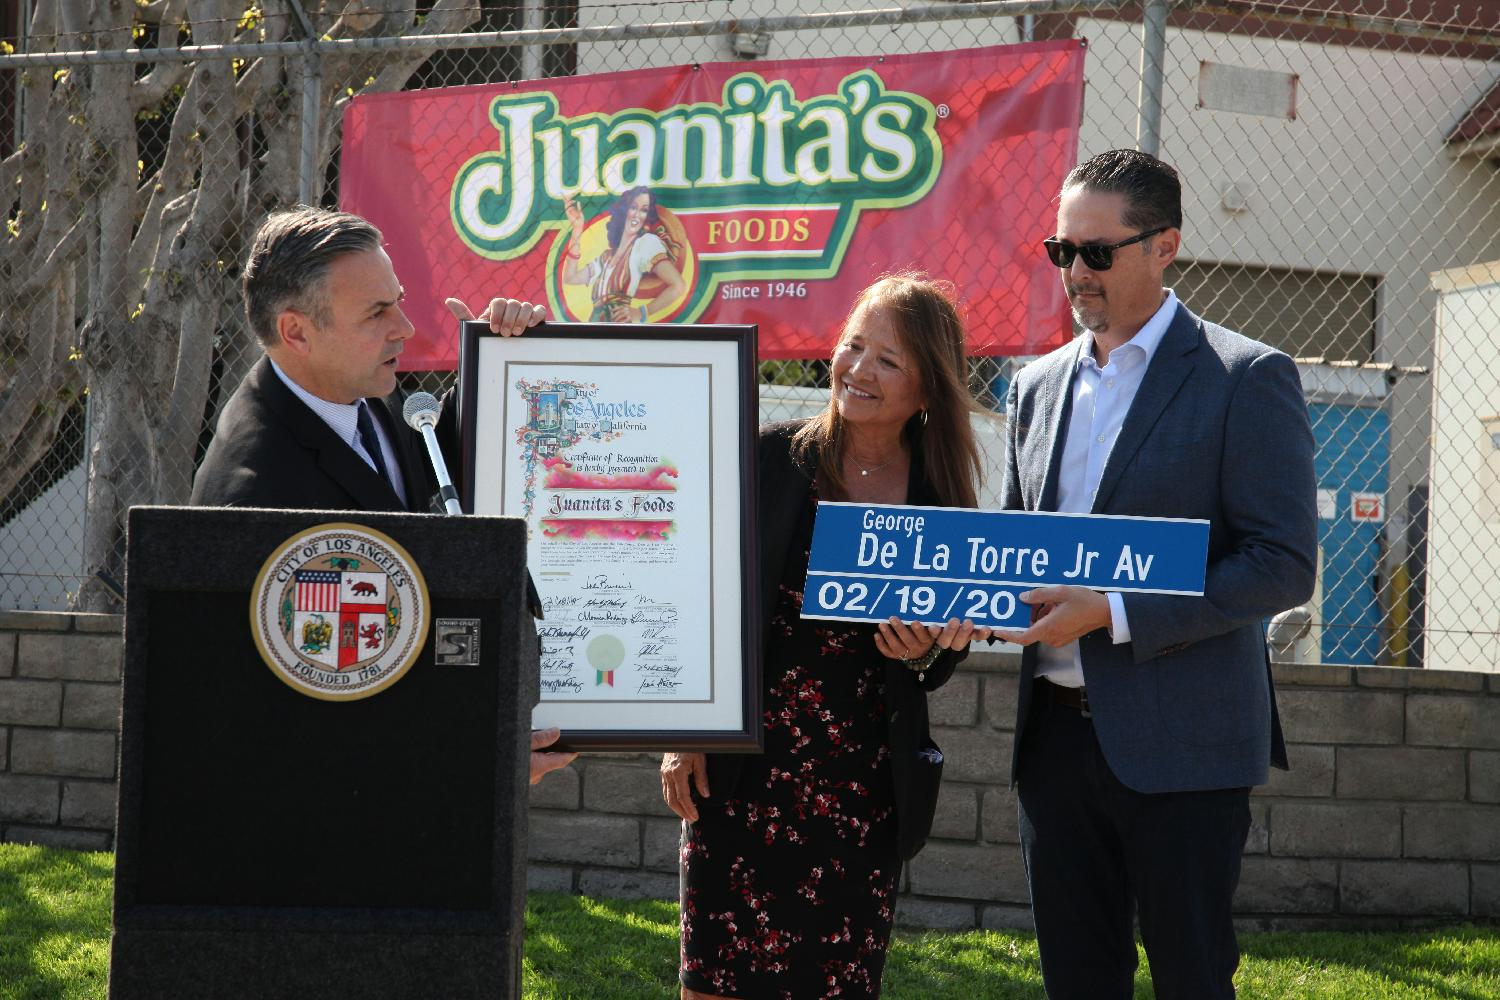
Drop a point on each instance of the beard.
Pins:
(1091, 313)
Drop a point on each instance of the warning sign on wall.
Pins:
(1367, 507)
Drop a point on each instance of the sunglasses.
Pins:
(1098, 256)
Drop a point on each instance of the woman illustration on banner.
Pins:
(639, 248)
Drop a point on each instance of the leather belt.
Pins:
(1074, 698)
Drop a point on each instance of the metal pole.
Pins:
(531, 55)
(969, 11)
(18, 127)
(1153, 70)
(308, 190)
(633, 31)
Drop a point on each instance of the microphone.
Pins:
(421, 413)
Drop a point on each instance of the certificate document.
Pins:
(625, 456)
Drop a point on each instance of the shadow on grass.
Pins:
(632, 948)
(54, 923)
(1443, 962)
(632, 952)
(1000, 965)
(55, 917)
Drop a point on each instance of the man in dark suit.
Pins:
(1143, 719)
(317, 422)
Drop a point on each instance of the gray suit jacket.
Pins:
(1218, 430)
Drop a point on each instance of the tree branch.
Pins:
(64, 252)
(446, 17)
(155, 12)
(149, 90)
(179, 166)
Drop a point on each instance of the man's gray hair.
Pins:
(289, 261)
(1152, 189)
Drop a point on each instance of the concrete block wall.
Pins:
(1390, 814)
(59, 726)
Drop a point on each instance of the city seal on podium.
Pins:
(339, 612)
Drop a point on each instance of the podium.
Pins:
(278, 838)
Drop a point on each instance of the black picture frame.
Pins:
(482, 435)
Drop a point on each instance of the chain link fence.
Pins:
(1335, 154)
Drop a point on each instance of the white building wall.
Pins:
(1360, 182)
(1463, 592)
(936, 37)
(42, 547)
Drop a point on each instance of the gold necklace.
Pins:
(876, 468)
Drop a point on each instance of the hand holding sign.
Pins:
(901, 641)
(1060, 615)
(938, 566)
(958, 634)
(913, 641)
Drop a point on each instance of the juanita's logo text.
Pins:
(861, 146)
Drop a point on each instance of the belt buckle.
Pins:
(1083, 703)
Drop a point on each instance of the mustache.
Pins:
(1084, 289)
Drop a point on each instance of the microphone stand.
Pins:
(421, 412)
(445, 484)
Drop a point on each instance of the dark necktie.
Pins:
(371, 441)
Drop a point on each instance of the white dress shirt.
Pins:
(343, 420)
(1101, 398)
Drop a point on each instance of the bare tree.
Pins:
(126, 286)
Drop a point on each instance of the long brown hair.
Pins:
(614, 230)
(932, 333)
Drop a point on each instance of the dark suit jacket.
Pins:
(784, 486)
(1219, 431)
(271, 450)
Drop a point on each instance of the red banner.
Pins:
(762, 192)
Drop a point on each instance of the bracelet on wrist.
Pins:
(919, 664)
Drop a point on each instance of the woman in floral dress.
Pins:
(790, 858)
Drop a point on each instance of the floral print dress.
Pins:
(789, 882)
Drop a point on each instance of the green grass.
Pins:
(54, 923)
(54, 943)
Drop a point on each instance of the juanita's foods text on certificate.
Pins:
(611, 471)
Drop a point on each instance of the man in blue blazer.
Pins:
(1143, 719)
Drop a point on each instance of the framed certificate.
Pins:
(629, 450)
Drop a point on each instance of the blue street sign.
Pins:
(930, 564)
